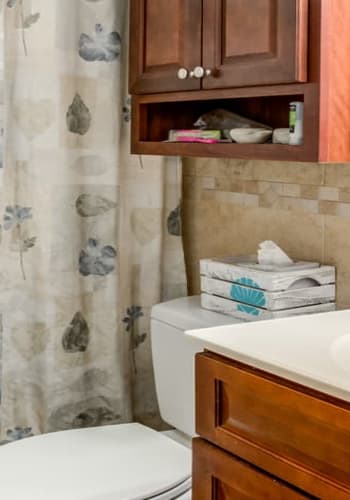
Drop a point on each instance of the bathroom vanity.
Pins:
(273, 410)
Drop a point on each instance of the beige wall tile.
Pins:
(299, 205)
(189, 166)
(269, 199)
(240, 169)
(211, 167)
(327, 207)
(251, 200)
(191, 187)
(208, 194)
(227, 221)
(228, 197)
(337, 175)
(341, 306)
(277, 187)
(237, 230)
(343, 287)
(251, 187)
(337, 243)
(297, 173)
(208, 183)
(309, 192)
(237, 185)
(292, 190)
(344, 195)
(343, 209)
(223, 183)
(328, 193)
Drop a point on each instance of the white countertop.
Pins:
(312, 350)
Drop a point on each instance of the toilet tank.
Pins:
(173, 357)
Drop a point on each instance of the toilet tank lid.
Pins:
(186, 313)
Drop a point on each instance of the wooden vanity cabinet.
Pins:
(262, 436)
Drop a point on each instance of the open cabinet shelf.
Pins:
(154, 115)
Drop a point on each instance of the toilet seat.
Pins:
(117, 462)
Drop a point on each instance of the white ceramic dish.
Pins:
(250, 135)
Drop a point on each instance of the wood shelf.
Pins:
(227, 150)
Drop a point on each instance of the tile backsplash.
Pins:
(231, 205)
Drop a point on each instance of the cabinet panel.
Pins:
(246, 36)
(254, 43)
(164, 36)
(221, 476)
(273, 424)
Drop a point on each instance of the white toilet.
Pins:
(126, 461)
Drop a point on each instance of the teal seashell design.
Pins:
(253, 311)
(247, 295)
(248, 282)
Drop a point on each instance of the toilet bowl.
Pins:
(125, 461)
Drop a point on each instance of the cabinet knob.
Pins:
(200, 72)
(182, 74)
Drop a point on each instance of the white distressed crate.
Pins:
(253, 313)
(245, 271)
(273, 301)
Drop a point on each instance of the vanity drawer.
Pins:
(221, 476)
(288, 430)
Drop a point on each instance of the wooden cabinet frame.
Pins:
(326, 96)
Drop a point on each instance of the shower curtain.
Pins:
(90, 235)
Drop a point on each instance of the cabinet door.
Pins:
(275, 424)
(259, 42)
(164, 37)
(217, 475)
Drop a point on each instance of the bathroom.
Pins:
(105, 351)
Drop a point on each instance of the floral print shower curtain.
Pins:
(90, 235)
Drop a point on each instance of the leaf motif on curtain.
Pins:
(174, 222)
(89, 205)
(77, 335)
(31, 19)
(14, 217)
(92, 417)
(26, 21)
(97, 259)
(16, 434)
(101, 46)
(133, 313)
(89, 412)
(78, 116)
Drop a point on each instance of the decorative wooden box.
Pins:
(242, 288)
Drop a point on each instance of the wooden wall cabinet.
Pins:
(265, 437)
(253, 58)
(237, 43)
